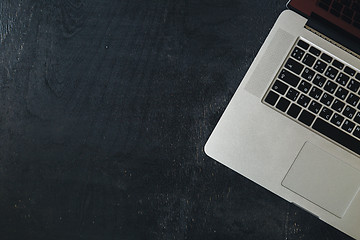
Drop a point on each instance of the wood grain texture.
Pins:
(105, 107)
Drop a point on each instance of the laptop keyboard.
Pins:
(347, 10)
(319, 91)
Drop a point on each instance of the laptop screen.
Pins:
(342, 13)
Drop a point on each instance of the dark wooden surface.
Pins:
(105, 106)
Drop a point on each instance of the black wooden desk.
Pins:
(105, 109)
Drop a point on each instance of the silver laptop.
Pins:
(293, 125)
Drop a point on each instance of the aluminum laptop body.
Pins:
(293, 125)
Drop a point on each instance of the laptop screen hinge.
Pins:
(332, 41)
(333, 34)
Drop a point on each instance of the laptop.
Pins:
(293, 125)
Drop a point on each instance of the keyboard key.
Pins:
(303, 100)
(289, 78)
(315, 93)
(348, 126)
(315, 51)
(327, 99)
(282, 104)
(280, 87)
(326, 58)
(337, 135)
(319, 80)
(309, 60)
(306, 117)
(353, 85)
(335, 13)
(346, 19)
(347, 3)
(292, 94)
(326, 113)
(338, 64)
(304, 86)
(357, 117)
(357, 15)
(337, 7)
(294, 66)
(314, 107)
(331, 72)
(356, 8)
(298, 54)
(303, 44)
(338, 105)
(349, 13)
(352, 99)
(357, 131)
(349, 71)
(294, 110)
(327, 2)
(349, 112)
(330, 86)
(271, 98)
(342, 79)
(337, 119)
(324, 5)
(357, 76)
(320, 66)
(341, 93)
(308, 74)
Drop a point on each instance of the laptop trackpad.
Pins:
(323, 179)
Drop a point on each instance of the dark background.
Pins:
(105, 106)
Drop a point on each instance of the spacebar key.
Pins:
(337, 135)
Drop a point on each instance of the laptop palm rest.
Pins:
(323, 179)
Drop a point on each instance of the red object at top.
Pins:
(342, 13)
